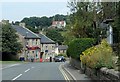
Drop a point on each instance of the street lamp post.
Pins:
(110, 34)
(109, 30)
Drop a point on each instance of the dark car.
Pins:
(22, 59)
(59, 59)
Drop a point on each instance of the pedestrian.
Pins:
(32, 59)
(50, 59)
(63, 59)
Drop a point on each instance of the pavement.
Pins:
(76, 74)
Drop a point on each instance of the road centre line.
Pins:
(17, 77)
(20, 74)
(27, 70)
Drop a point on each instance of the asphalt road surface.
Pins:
(34, 71)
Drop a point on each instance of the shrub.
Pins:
(98, 56)
(62, 55)
(77, 46)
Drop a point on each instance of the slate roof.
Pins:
(62, 47)
(25, 32)
(45, 39)
(29, 34)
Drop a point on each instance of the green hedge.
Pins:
(77, 46)
(62, 55)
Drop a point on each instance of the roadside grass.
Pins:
(11, 62)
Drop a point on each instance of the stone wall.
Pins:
(75, 63)
(103, 74)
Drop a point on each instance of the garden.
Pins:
(97, 61)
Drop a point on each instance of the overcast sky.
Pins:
(16, 10)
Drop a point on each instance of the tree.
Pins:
(87, 16)
(58, 17)
(118, 36)
(17, 23)
(43, 21)
(109, 10)
(77, 46)
(118, 23)
(55, 36)
(82, 18)
(10, 44)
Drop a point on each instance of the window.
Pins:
(36, 55)
(63, 51)
(27, 41)
(59, 51)
(36, 41)
(46, 47)
(53, 47)
(46, 51)
(33, 41)
(33, 52)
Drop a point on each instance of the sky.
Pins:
(16, 10)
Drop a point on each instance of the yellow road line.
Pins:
(63, 73)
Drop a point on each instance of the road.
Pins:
(34, 71)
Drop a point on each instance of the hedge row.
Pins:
(77, 46)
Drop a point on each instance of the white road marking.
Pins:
(27, 70)
(17, 77)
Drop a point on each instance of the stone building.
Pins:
(61, 49)
(35, 46)
(47, 47)
(58, 24)
(30, 41)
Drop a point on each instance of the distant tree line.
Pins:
(42, 22)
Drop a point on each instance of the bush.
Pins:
(77, 46)
(98, 56)
(62, 55)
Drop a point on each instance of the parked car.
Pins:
(59, 59)
(22, 59)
